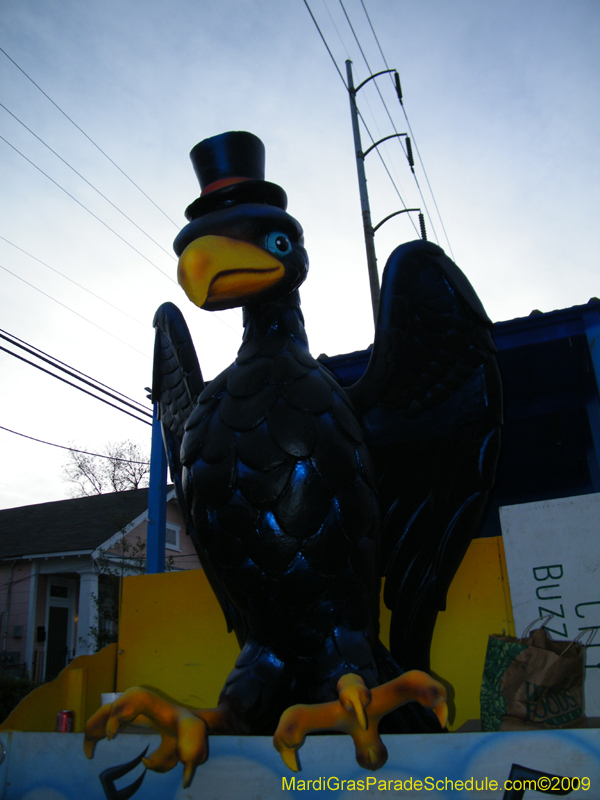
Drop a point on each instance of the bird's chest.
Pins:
(275, 466)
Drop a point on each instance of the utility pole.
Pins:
(364, 197)
(369, 230)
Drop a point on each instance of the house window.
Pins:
(172, 537)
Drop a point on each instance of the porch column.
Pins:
(87, 611)
(31, 609)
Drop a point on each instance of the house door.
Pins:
(57, 648)
(59, 626)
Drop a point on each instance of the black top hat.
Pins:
(231, 170)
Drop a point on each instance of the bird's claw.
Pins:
(412, 686)
(184, 734)
(358, 712)
(354, 696)
(288, 750)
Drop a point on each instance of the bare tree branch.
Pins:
(124, 467)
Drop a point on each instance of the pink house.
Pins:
(53, 557)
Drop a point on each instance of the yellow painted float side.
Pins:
(478, 605)
(173, 637)
(77, 688)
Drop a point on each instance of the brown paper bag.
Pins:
(533, 683)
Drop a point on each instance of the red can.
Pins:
(64, 721)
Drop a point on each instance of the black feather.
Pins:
(302, 494)
(430, 403)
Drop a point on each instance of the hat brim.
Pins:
(248, 191)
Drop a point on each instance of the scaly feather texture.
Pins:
(301, 494)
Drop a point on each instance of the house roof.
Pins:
(63, 526)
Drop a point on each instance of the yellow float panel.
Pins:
(478, 605)
(77, 688)
(173, 638)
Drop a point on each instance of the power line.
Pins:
(74, 385)
(385, 166)
(100, 328)
(91, 185)
(373, 32)
(336, 28)
(60, 365)
(79, 285)
(362, 52)
(89, 138)
(411, 133)
(359, 114)
(389, 115)
(112, 231)
(215, 315)
(325, 43)
(118, 235)
(73, 449)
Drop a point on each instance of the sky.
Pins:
(502, 101)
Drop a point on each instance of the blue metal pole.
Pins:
(157, 500)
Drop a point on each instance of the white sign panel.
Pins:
(553, 561)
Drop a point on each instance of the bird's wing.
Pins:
(176, 386)
(176, 379)
(430, 404)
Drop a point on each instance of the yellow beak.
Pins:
(218, 272)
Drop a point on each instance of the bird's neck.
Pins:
(269, 324)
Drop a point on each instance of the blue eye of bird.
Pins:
(278, 243)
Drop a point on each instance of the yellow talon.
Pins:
(188, 775)
(88, 748)
(354, 696)
(290, 759)
(358, 712)
(441, 712)
(184, 733)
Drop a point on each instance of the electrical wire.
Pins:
(74, 385)
(391, 120)
(118, 235)
(60, 365)
(79, 285)
(73, 449)
(385, 166)
(362, 52)
(143, 324)
(218, 317)
(100, 328)
(182, 555)
(336, 28)
(411, 134)
(58, 361)
(91, 185)
(359, 114)
(89, 138)
(325, 43)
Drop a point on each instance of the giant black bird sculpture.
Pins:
(300, 494)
